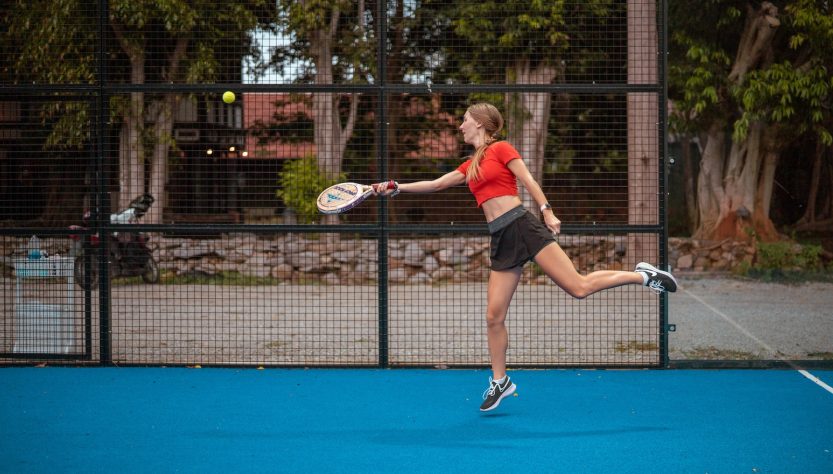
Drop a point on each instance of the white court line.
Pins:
(816, 380)
(761, 343)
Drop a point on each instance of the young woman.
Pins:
(517, 236)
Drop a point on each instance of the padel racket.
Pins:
(342, 197)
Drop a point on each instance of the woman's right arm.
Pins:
(445, 181)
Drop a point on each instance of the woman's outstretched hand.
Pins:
(385, 188)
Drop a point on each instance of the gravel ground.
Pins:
(716, 318)
(726, 318)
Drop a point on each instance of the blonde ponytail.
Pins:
(489, 116)
(473, 173)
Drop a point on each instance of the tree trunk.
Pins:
(760, 218)
(643, 130)
(131, 149)
(330, 138)
(735, 185)
(325, 126)
(710, 180)
(827, 207)
(734, 204)
(756, 40)
(163, 136)
(528, 116)
(689, 189)
(815, 179)
(132, 176)
(819, 216)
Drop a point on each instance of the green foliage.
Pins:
(813, 23)
(787, 262)
(533, 26)
(698, 81)
(783, 93)
(51, 42)
(787, 255)
(70, 124)
(299, 185)
(311, 23)
(793, 90)
(54, 42)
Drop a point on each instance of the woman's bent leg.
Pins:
(558, 266)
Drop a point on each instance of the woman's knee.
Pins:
(579, 289)
(495, 317)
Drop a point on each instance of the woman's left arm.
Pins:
(519, 169)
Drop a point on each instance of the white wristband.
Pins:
(545, 206)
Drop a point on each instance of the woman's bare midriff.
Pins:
(497, 206)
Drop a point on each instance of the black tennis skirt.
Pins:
(519, 240)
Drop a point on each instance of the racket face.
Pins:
(341, 197)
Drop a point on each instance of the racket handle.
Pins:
(378, 188)
(395, 186)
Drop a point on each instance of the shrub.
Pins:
(788, 262)
(299, 184)
(788, 256)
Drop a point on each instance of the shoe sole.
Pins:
(508, 392)
(648, 266)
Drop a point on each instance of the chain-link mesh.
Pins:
(176, 224)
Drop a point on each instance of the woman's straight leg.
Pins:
(502, 285)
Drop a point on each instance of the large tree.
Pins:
(751, 78)
(530, 39)
(797, 95)
(164, 41)
(334, 43)
(330, 45)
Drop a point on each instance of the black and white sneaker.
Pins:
(496, 392)
(658, 280)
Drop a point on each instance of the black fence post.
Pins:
(662, 63)
(382, 156)
(102, 202)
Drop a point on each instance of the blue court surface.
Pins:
(412, 420)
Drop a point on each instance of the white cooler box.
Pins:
(42, 327)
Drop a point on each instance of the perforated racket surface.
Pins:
(342, 197)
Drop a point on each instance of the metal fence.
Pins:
(104, 102)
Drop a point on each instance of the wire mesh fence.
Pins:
(183, 219)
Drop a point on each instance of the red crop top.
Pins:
(496, 179)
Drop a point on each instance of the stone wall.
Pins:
(299, 258)
(704, 255)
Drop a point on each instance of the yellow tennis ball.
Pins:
(228, 97)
